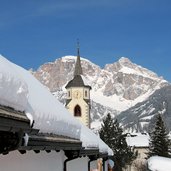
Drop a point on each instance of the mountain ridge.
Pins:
(142, 116)
(115, 88)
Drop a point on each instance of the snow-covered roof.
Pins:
(88, 138)
(104, 148)
(22, 91)
(13, 89)
(91, 140)
(157, 163)
(138, 140)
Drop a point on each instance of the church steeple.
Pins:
(78, 68)
(78, 98)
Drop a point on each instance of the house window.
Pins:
(77, 111)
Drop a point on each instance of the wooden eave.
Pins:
(51, 142)
(16, 121)
(103, 155)
(13, 121)
(89, 152)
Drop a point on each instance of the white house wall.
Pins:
(80, 164)
(43, 161)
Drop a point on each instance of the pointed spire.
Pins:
(78, 47)
(78, 68)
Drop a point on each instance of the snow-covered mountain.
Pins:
(115, 88)
(141, 117)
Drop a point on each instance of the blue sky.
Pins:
(37, 31)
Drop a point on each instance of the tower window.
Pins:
(77, 111)
(86, 93)
(69, 94)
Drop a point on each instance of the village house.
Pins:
(139, 142)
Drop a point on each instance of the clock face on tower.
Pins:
(77, 94)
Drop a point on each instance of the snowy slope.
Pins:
(141, 117)
(10, 77)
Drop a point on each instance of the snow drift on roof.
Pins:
(89, 139)
(13, 89)
(138, 140)
(104, 148)
(157, 163)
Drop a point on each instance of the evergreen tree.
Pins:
(112, 134)
(159, 141)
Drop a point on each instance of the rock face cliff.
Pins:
(115, 88)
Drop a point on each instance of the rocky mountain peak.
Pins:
(124, 60)
(118, 66)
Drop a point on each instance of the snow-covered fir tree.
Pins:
(112, 134)
(159, 141)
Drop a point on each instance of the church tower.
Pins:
(78, 98)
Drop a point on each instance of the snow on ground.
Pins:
(157, 163)
(138, 140)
